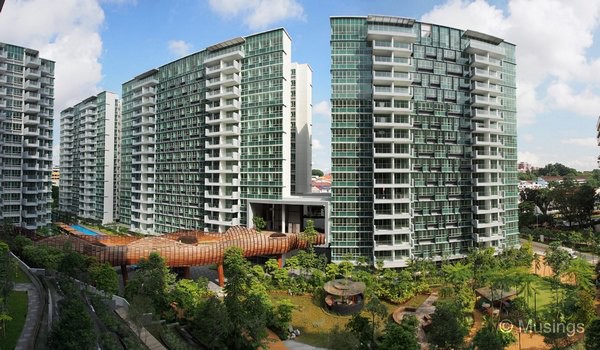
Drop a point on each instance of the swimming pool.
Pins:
(85, 231)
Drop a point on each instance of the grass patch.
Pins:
(17, 309)
(416, 301)
(544, 295)
(315, 324)
(20, 276)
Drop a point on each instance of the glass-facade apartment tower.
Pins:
(90, 136)
(26, 116)
(423, 140)
(205, 133)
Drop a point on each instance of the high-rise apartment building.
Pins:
(26, 115)
(423, 140)
(218, 136)
(89, 158)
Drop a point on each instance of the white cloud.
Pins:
(582, 142)
(562, 96)
(316, 144)
(258, 14)
(322, 108)
(552, 37)
(528, 138)
(66, 32)
(530, 158)
(179, 48)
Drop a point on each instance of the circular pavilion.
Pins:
(344, 297)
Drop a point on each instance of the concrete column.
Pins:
(221, 274)
(124, 274)
(283, 218)
(187, 272)
(280, 260)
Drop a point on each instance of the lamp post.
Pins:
(535, 303)
(519, 338)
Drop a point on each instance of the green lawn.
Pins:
(20, 276)
(544, 294)
(17, 309)
(314, 322)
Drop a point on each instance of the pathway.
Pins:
(34, 310)
(425, 309)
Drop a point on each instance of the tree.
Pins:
(104, 277)
(317, 172)
(579, 307)
(189, 294)
(447, 329)
(342, 339)
(259, 223)
(6, 273)
(557, 258)
(363, 330)
(491, 338)
(153, 280)
(582, 272)
(402, 336)
(246, 301)
(74, 328)
(378, 312)
(211, 324)
(592, 335)
(538, 197)
(556, 169)
(73, 264)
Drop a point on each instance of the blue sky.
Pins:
(99, 44)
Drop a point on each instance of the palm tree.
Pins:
(4, 316)
(581, 271)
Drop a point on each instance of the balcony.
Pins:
(33, 62)
(32, 85)
(483, 209)
(482, 196)
(397, 63)
(484, 75)
(400, 93)
(231, 79)
(484, 101)
(486, 114)
(31, 109)
(398, 107)
(482, 61)
(486, 223)
(232, 55)
(32, 73)
(485, 88)
(482, 48)
(32, 96)
(397, 33)
(491, 129)
(225, 68)
(395, 47)
(481, 141)
(387, 77)
(223, 131)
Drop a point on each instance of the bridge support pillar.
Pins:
(221, 274)
(280, 260)
(187, 272)
(124, 274)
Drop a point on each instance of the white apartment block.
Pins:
(26, 115)
(89, 152)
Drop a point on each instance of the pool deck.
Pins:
(77, 232)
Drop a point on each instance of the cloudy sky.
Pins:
(99, 44)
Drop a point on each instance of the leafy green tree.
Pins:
(401, 336)
(582, 272)
(6, 272)
(281, 318)
(317, 172)
(259, 223)
(557, 258)
(279, 276)
(189, 294)
(42, 256)
(74, 264)
(363, 330)
(246, 302)
(74, 328)
(579, 307)
(104, 277)
(378, 312)
(342, 339)
(538, 197)
(556, 169)
(491, 338)
(592, 335)
(211, 324)
(153, 280)
(447, 328)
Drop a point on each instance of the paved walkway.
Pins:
(425, 309)
(27, 338)
(294, 345)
